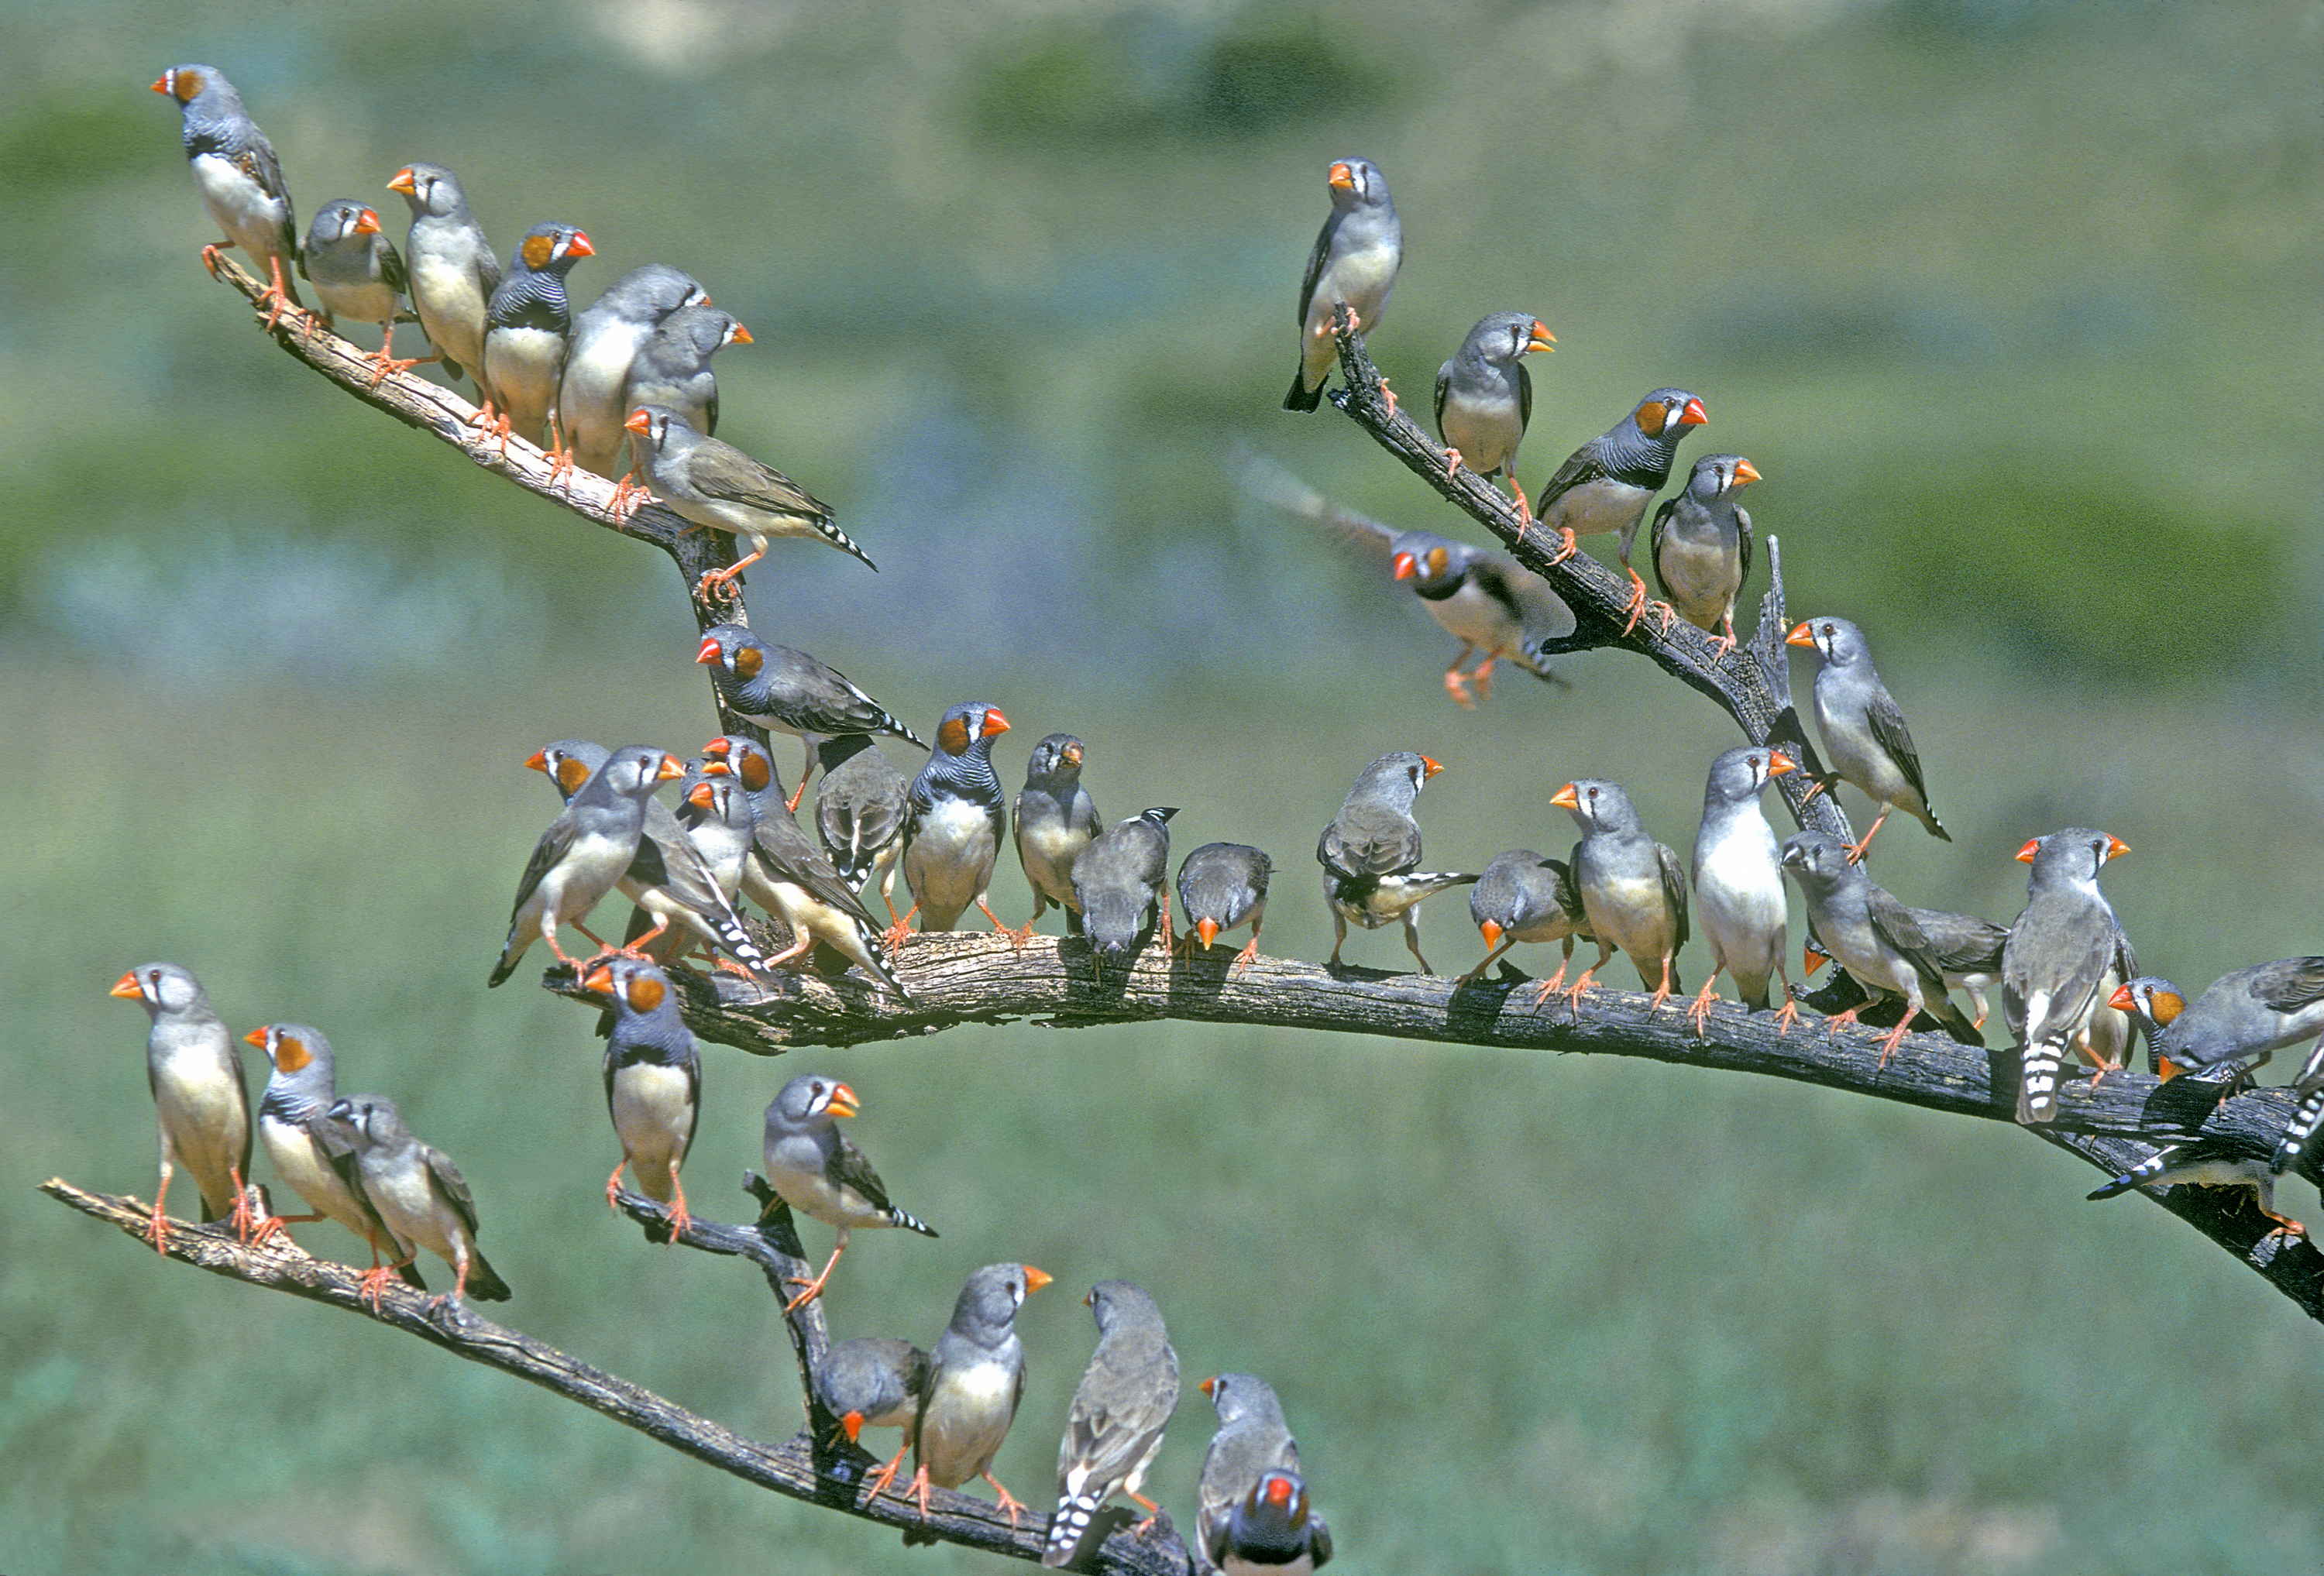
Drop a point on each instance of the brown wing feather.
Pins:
(721, 471)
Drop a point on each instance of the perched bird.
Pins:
(1524, 896)
(671, 369)
(2307, 1116)
(1863, 728)
(859, 812)
(681, 875)
(653, 1081)
(1967, 950)
(790, 876)
(1356, 256)
(1701, 546)
(305, 1147)
(585, 851)
(357, 274)
(419, 1195)
(2225, 1160)
(452, 269)
(239, 177)
(790, 692)
(1607, 483)
(1274, 1530)
(1121, 884)
(2236, 1025)
(200, 1098)
(711, 483)
(1873, 937)
(527, 325)
(1221, 887)
(722, 823)
(1252, 1443)
(2065, 956)
(873, 1382)
(1119, 1409)
(606, 338)
(1055, 820)
(976, 1376)
(1484, 396)
(1495, 608)
(1738, 883)
(1371, 854)
(1632, 888)
(955, 817)
(817, 1170)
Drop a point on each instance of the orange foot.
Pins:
(680, 1217)
(1456, 685)
(1832, 1025)
(375, 1282)
(210, 255)
(1787, 1016)
(614, 1187)
(243, 1218)
(1549, 988)
(628, 498)
(1242, 959)
(1699, 1010)
(157, 1228)
(1581, 987)
(878, 1482)
(1451, 462)
(1388, 394)
(1568, 544)
(1009, 1502)
(814, 1288)
(1724, 642)
(1896, 1038)
(560, 467)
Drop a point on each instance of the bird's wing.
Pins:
(1581, 466)
(1673, 873)
(1107, 1438)
(2291, 985)
(1569, 893)
(1663, 512)
(1962, 942)
(1743, 545)
(850, 1169)
(488, 267)
(554, 845)
(1525, 401)
(455, 1185)
(794, 859)
(1271, 483)
(1443, 383)
(1541, 612)
(1896, 924)
(1887, 720)
(1315, 260)
(391, 272)
(721, 471)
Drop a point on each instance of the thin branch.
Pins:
(800, 1468)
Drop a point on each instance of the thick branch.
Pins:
(800, 1467)
(956, 979)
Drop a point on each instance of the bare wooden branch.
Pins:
(805, 1467)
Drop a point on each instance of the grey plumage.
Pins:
(1484, 394)
(606, 338)
(1872, 936)
(528, 326)
(652, 1075)
(237, 174)
(357, 274)
(1702, 545)
(817, 1170)
(2244, 1017)
(2220, 1160)
(859, 812)
(1274, 1532)
(201, 1102)
(671, 368)
(1120, 883)
(2065, 956)
(711, 483)
(1252, 1440)
(1354, 260)
(872, 1382)
(1632, 889)
(451, 267)
(955, 817)
(1222, 885)
(1606, 484)
(1522, 896)
(1862, 727)
(417, 1192)
(789, 691)
(1371, 854)
(976, 1376)
(586, 849)
(1738, 879)
(1055, 820)
(303, 1147)
(1120, 1411)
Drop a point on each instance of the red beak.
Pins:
(1404, 564)
(600, 980)
(1692, 416)
(2122, 1001)
(2116, 848)
(1208, 929)
(256, 1036)
(1566, 798)
(162, 84)
(741, 335)
(1491, 932)
(1428, 768)
(578, 247)
(537, 762)
(994, 723)
(1779, 763)
(1745, 472)
(709, 652)
(700, 795)
(1800, 635)
(367, 223)
(2026, 854)
(125, 987)
(639, 422)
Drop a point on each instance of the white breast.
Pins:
(296, 1159)
(405, 1197)
(240, 206)
(652, 1108)
(1602, 505)
(451, 307)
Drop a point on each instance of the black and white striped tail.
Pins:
(2138, 1175)
(910, 1222)
(1067, 1527)
(737, 941)
(2306, 1118)
(839, 538)
(2037, 1082)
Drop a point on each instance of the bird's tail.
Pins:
(865, 955)
(727, 926)
(1301, 397)
(2306, 1118)
(1936, 827)
(511, 953)
(893, 726)
(485, 1282)
(1066, 1527)
(2037, 1082)
(844, 542)
(2138, 1175)
(910, 1222)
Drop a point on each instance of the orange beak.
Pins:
(1208, 1385)
(1208, 929)
(162, 84)
(709, 652)
(2026, 854)
(2122, 1001)
(1812, 959)
(537, 762)
(672, 768)
(1491, 932)
(1800, 635)
(1035, 1279)
(125, 987)
(1779, 763)
(639, 422)
(717, 747)
(1745, 472)
(853, 1422)
(256, 1036)
(403, 182)
(2116, 848)
(578, 247)
(1566, 798)
(1278, 1490)
(1694, 415)
(600, 980)
(1541, 338)
(843, 1102)
(1428, 768)
(1072, 754)
(741, 335)
(716, 769)
(701, 795)
(2166, 1069)
(994, 724)
(1342, 178)
(367, 222)
(1404, 564)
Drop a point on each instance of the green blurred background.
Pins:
(2013, 303)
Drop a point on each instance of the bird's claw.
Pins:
(373, 1284)
(1451, 462)
(1568, 544)
(1456, 685)
(1788, 1014)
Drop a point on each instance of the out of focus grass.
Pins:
(2011, 300)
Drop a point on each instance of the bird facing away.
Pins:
(1525, 896)
(417, 1192)
(2065, 956)
(1371, 854)
(606, 337)
(295, 1126)
(859, 813)
(711, 483)
(1606, 484)
(1055, 820)
(450, 265)
(1632, 888)
(1222, 885)
(976, 1376)
(1120, 1410)
(357, 274)
(1738, 883)
(817, 1170)
(1121, 884)
(1252, 1442)
(1356, 256)
(1484, 396)
(1701, 546)
(1873, 937)
(787, 691)
(241, 180)
(955, 817)
(1863, 728)
(653, 1082)
(200, 1102)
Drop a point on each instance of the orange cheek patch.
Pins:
(1651, 415)
(748, 661)
(645, 995)
(290, 1054)
(186, 86)
(571, 774)
(756, 774)
(537, 249)
(952, 737)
